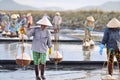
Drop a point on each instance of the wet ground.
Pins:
(54, 75)
(71, 51)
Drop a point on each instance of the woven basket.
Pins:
(23, 59)
(86, 48)
(55, 57)
(22, 62)
(53, 60)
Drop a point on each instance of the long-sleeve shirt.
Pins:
(57, 20)
(41, 40)
(30, 19)
(23, 21)
(13, 26)
(110, 38)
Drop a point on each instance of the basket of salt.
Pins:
(86, 46)
(92, 43)
(55, 57)
(23, 59)
(3, 33)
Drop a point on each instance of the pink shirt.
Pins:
(30, 19)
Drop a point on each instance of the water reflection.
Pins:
(6, 46)
(86, 55)
(11, 50)
(70, 51)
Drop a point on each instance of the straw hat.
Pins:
(114, 23)
(29, 14)
(44, 21)
(14, 16)
(3, 13)
(57, 13)
(17, 15)
(90, 18)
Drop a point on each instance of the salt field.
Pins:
(55, 75)
(70, 52)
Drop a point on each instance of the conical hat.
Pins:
(17, 15)
(3, 13)
(114, 23)
(14, 16)
(90, 18)
(44, 21)
(29, 14)
(57, 13)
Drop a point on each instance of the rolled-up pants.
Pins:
(110, 56)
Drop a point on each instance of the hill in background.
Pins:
(12, 5)
(73, 19)
(108, 6)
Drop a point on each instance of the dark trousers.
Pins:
(110, 55)
(29, 24)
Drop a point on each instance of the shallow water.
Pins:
(70, 52)
(55, 75)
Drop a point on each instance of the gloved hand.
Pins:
(50, 51)
(22, 31)
(101, 49)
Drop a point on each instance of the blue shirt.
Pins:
(110, 37)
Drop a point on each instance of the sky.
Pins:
(64, 4)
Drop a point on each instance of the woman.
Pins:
(41, 40)
(29, 20)
(110, 39)
(13, 25)
(89, 26)
(57, 20)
